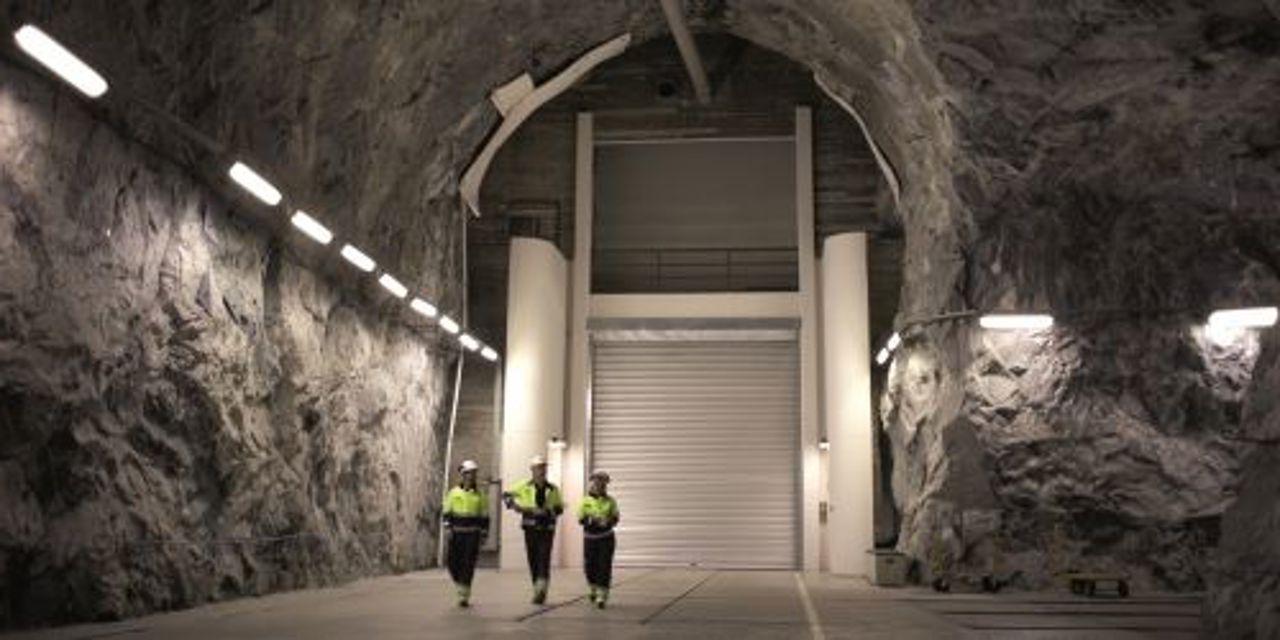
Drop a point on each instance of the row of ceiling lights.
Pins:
(1222, 326)
(52, 55)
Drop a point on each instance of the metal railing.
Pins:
(694, 270)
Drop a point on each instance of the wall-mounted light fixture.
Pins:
(358, 259)
(449, 324)
(890, 346)
(557, 443)
(1015, 321)
(312, 227)
(1251, 318)
(59, 60)
(424, 308)
(251, 181)
(469, 342)
(824, 445)
(393, 286)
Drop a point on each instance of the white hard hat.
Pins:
(537, 461)
(468, 465)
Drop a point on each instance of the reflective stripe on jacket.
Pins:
(466, 509)
(524, 498)
(598, 515)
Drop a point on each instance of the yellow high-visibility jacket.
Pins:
(534, 515)
(598, 515)
(466, 510)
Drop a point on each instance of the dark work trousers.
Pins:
(464, 547)
(537, 547)
(597, 555)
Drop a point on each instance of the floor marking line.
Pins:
(815, 626)
(547, 609)
(678, 598)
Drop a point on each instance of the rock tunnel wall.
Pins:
(1112, 165)
(187, 413)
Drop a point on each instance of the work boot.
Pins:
(539, 591)
(602, 598)
(464, 596)
(592, 594)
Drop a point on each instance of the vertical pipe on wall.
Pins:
(810, 418)
(533, 384)
(457, 395)
(847, 375)
(448, 452)
(579, 384)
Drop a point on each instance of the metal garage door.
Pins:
(701, 440)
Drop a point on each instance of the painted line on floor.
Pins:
(815, 625)
(558, 605)
(663, 609)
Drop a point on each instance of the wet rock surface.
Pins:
(186, 412)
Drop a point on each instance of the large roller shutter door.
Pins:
(701, 439)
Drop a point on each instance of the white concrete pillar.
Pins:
(847, 378)
(533, 390)
(810, 321)
(573, 479)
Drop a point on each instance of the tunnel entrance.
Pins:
(692, 204)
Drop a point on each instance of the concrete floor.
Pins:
(666, 603)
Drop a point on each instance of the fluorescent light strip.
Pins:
(255, 184)
(59, 60)
(312, 227)
(393, 286)
(489, 354)
(358, 259)
(448, 324)
(882, 357)
(1255, 317)
(894, 341)
(424, 308)
(469, 342)
(1009, 321)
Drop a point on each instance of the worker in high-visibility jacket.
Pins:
(598, 514)
(539, 504)
(466, 516)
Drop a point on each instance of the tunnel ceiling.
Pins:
(990, 111)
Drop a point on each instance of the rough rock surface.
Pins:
(1107, 158)
(1245, 599)
(186, 412)
(1114, 166)
(1061, 450)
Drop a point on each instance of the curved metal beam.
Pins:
(527, 105)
